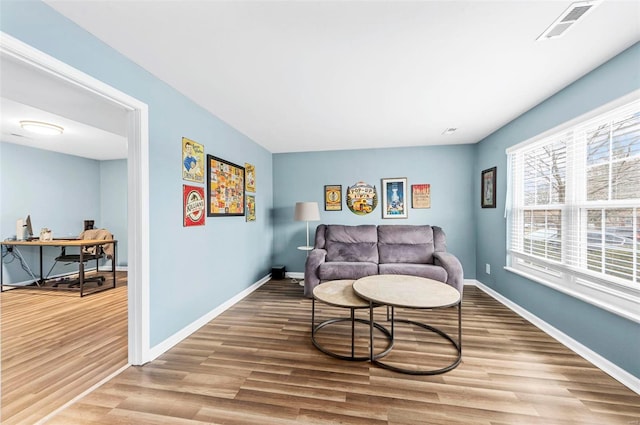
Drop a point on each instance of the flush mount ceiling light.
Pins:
(41, 127)
(569, 17)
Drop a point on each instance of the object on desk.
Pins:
(46, 234)
(24, 230)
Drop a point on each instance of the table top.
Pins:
(406, 291)
(59, 242)
(339, 293)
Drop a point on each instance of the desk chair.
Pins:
(89, 253)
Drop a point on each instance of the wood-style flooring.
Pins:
(56, 345)
(255, 364)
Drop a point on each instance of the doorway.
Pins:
(136, 125)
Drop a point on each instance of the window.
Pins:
(574, 209)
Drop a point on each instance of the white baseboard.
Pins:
(174, 339)
(294, 275)
(616, 372)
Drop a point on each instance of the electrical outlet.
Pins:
(487, 268)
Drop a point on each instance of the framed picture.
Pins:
(225, 188)
(192, 161)
(193, 206)
(251, 207)
(394, 198)
(333, 197)
(250, 173)
(488, 190)
(421, 196)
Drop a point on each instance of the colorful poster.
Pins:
(394, 202)
(192, 161)
(225, 188)
(251, 208)
(193, 206)
(250, 171)
(333, 197)
(421, 195)
(362, 198)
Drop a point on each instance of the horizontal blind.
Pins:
(576, 199)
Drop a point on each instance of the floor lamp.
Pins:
(306, 211)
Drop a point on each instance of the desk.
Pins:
(82, 244)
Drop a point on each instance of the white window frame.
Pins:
(608, 292)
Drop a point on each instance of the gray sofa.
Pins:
(352, 252)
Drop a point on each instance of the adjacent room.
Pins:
(273, 174)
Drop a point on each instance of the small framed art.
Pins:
(192, 161)
(421, 195)
(394, 198)
(193, 206)
(333, 197)
(488, 189)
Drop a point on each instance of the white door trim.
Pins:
(138, 184)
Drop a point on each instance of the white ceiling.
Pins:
(94, 127)
(324, 75)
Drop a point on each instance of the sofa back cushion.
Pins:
(405, 244)
(351, 243)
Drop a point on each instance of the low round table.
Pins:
(411, 292)
(339, 293)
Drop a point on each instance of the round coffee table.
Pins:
(339, 293)
(411, 292)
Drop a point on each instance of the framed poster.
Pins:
(488, 188)
(250, 172)
(192, 161)
(251, 207)
(225, 188)
(192, 206)
(421, 196)
(333, 197)
(394, 194)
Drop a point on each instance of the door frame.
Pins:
(137, 117)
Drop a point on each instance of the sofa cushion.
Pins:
(352, 243)
(337, 270)
(405, 244)
(422, 270)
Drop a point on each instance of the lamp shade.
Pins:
(307, 211)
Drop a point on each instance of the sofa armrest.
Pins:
(455, 274)
(316, 257)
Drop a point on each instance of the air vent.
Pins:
(569, 17)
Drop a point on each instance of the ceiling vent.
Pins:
(569, 17)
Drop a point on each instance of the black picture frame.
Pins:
(225, 188)
(488, 188)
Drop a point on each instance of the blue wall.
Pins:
(193, 270)
(611, 336)
(302, 177)
(59, 192)
(113, 204)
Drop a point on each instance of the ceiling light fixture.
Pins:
(41, 127)
(569, 17)
(449, 131)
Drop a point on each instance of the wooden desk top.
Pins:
(406, 291)
(60, 242)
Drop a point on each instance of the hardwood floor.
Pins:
(255, 364)
(56, 345)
